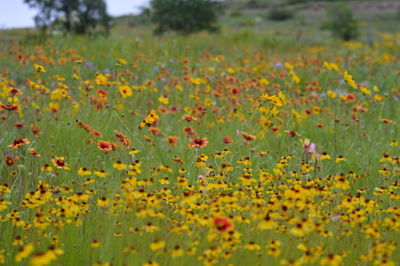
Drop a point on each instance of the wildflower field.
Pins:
(199, 150)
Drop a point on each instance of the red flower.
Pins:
(189, 131)
(122, 139)
(227, 140)
(89, 129)
(154, 130)
(19, 143)
(162, 110)
(10, 160)
(35, 130)
(292, 133)
(172, 140)
(235, 91)
(19, 125)
(9, 107)
(198, 143)
(248, 136)
(189, 118)
(104, 145)
(222, 224)
(102, 94)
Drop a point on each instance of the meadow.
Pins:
(211, 149)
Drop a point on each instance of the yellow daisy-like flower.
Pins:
(24, 252)
(84, 171)
(151, 263)
(157, 245)
(340, 159)
(39, 68)
(125, 91)
(100, 173)
(119, 166)
(103, 202)
(59, 163)
(134, 151)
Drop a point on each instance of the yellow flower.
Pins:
(149, 119)
(332, 260)
(164, 100)
(365, 90)
(121, 61)
(182, 171)
(103, 202)
(125, 91)
(101, 79)
(134, 151)
(2, 258)
(177, 252)
(288, 66)
(59, 163)
(264, 81)
(24, 252)
(295, 78)
(39, 68)
(342, 183)
(394, 143)
(53, 107)
(378, 98)
(267, 224)
(325, 156)
(349, 80)
(47, 168)
(164, 181)
(274, 244)
(59, 94)
(42, 258)
(129, 249)
(89, 181)
(119, 166)
(275, 100)
(157, 245)
(331, 94)
(18, 241)
(45, 258)
(84, 171)
(340, 159)
(252, 246)
(151, 263)
(100, 173)
(275, 252)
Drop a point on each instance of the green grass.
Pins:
(235, 58)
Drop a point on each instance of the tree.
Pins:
(341, 23)
(76, 16)
(184, 16)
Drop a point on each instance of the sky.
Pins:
(16, 14)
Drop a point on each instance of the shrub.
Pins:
(257, 4)
(297, 1)
(341, 23)
(279, 13)
(236, 13)
(184, 16)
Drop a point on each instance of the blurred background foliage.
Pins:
(295, 20)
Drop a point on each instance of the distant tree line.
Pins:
(73, 16)
(182, 16)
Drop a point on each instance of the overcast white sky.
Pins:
(16, 14)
